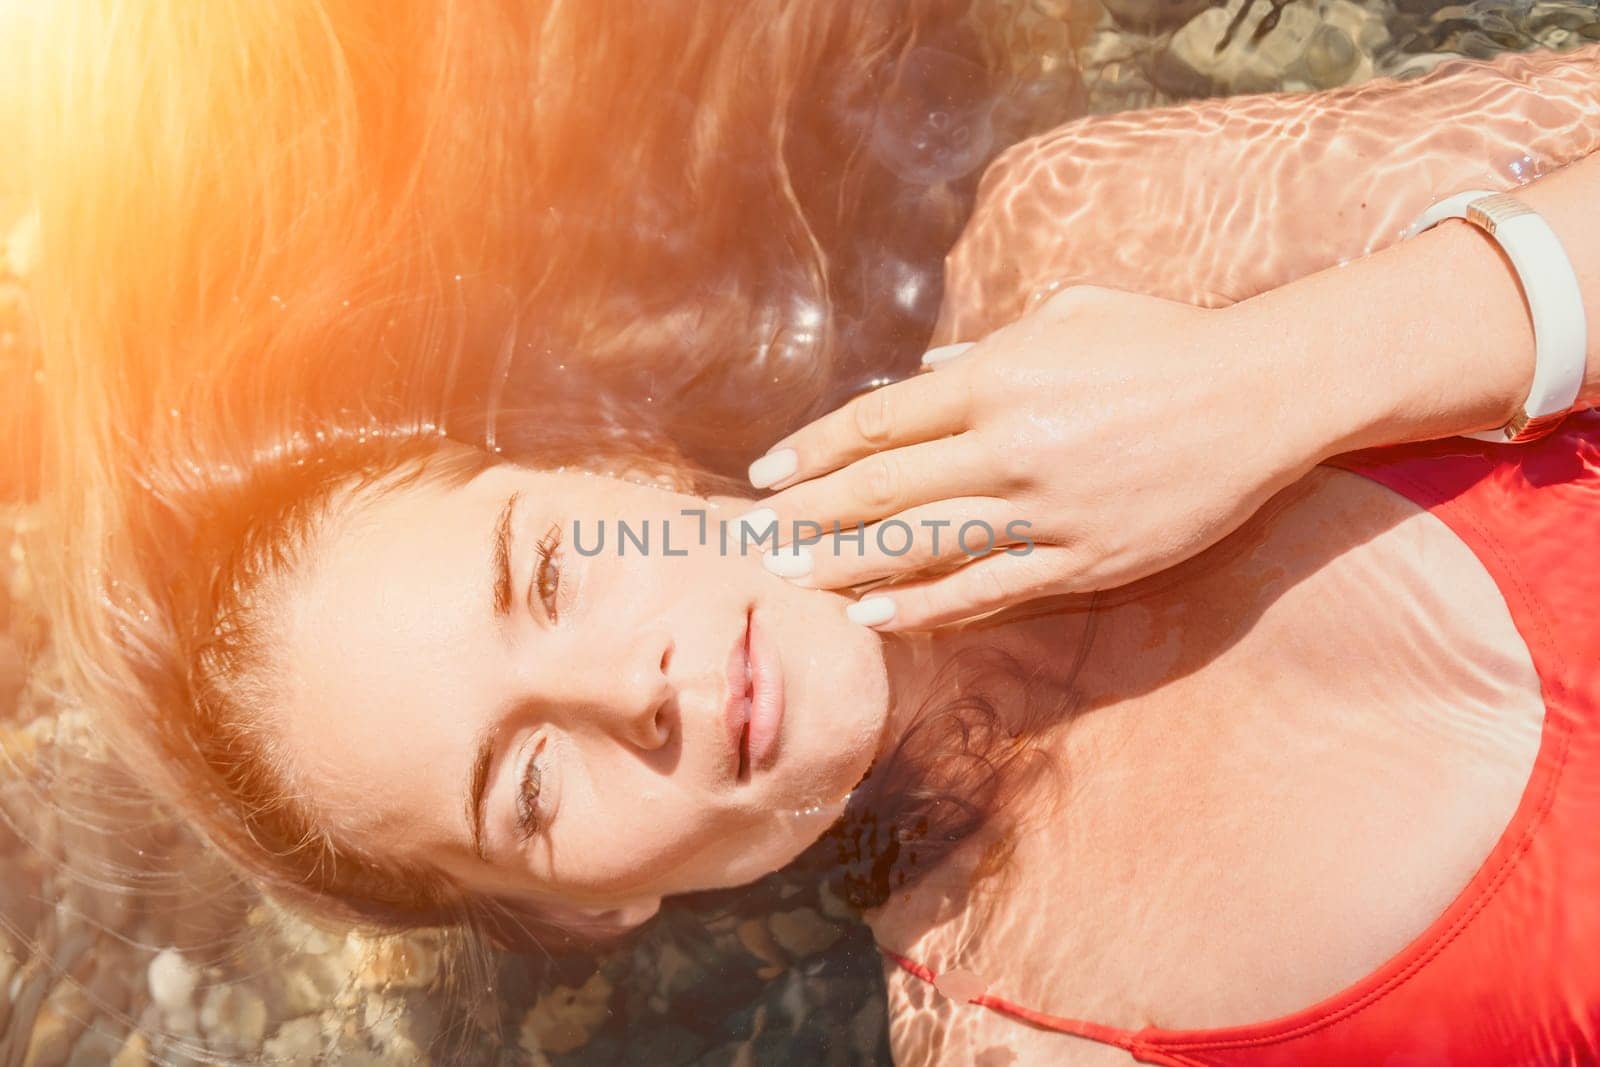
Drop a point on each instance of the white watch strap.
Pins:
(1555, 302)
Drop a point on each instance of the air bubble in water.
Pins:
(936, 121)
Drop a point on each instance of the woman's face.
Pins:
(464, 688)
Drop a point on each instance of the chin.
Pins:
(817, 796)
(797, 807)
(831, 758)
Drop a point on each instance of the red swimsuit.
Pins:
(1510, 973)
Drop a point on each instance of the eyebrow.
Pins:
(477, 788)
(500, 573)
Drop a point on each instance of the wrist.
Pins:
(1426, 339)
(1464, 356)
(1279, 369)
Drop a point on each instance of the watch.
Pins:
(1555, 301)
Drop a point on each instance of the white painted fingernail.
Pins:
(773, 467)
(945, 352)
(793, 561)
(870, 611)
(754, 525)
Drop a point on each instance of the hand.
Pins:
(1101, 438)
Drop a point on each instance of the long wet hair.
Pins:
(294, 252)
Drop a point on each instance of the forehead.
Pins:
(389, 640)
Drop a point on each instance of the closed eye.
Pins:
(546, 584)
(530, 810)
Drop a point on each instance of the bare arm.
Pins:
(1431, 337)
(1165, 338)
(1216, 201)
(1224, 200)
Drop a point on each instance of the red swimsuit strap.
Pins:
(1108, 1035)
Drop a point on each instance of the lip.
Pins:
(753, 712)
(766, 700)
(736, 710)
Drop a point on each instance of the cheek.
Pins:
(622, 826)
(840, 693)
(638, 847)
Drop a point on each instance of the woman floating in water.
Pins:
(1310, 776)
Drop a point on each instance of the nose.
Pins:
(637, 704)
(618, 688)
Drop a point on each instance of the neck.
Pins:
(967, 707)
(1045, 637)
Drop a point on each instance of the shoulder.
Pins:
(945, 918)
(928, 1029)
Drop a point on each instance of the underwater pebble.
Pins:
(403, 1021)
(867, 1028)
(352, 1053)
(174, 1052)
(298, 1041)
(1244, 66)
(834, 907)
(565, 1019)
(1154, 14)
(401, 963)
(172, 980)
(1331, 57)
(51, 1037)
(135, 1051)
(758, 941)
(803, 932)
(310, 983)
(1415, 66)
(398, 1027)
(100, 1044)
(675, 972)
(233, 1017)
(670, 1043)
(184, 1022)
(379, 1014)
(402, 1050)
(1319, 45)
(304, 936)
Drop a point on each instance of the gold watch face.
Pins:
(1523, 428)
(1491, 211)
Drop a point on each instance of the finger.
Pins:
(901, 413)
(885, 484)
(980, 587)
(946, 533)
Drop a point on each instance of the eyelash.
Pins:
(529, 817)
(546, 550)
